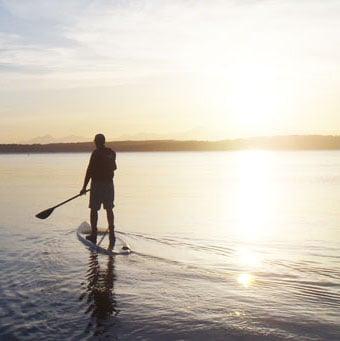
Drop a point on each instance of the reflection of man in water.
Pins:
(101, 170)
(100, 296)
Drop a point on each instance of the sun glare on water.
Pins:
(245, 279)
(256, 205)
(248, 258)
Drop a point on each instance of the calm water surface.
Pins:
(226, 246)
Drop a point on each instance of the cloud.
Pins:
(72, 43)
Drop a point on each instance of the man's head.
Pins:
(99, 140)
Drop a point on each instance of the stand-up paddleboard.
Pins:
(120, 248)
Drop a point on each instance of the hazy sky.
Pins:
(195, 69)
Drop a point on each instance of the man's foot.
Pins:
(112, 243)
(92, 238)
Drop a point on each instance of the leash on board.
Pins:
(103, 237)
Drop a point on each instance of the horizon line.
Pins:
(178, 140)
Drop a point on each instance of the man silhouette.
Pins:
(101, 171)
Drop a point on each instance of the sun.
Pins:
(250, 96)
(254, 99)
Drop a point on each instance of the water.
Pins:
(227, 246)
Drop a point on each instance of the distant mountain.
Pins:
(47, 139)
(138, 137)
(198, 133)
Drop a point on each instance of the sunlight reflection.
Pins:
(245, 279)
(236, 313)
(256, 203)
(248, 258)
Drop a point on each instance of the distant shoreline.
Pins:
(291, 142)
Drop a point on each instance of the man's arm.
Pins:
(114, 161)
(88, 175)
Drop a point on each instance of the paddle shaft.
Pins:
(47, 213)
(64, 202)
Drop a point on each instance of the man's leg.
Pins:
(94, 220)
(110, 221)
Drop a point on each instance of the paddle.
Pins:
(47, 213)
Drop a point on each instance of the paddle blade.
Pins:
(45, 214)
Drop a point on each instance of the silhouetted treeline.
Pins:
(298, 142)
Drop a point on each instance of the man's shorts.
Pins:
(102, 193)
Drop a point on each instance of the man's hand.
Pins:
(83, 191)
